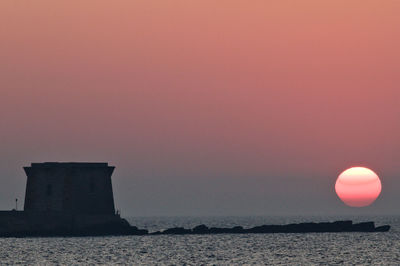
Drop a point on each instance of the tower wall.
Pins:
(74, 188)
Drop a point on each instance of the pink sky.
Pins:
(210, 106)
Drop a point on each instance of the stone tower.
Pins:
(70, 188)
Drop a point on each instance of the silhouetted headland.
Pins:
(76, 199)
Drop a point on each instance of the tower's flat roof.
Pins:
(68, 164)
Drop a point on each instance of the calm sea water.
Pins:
(257, 249)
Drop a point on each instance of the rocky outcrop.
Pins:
(28, 224)
(325, 227)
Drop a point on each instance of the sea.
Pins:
(224, 249)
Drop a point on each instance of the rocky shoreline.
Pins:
(324, 227)
(122, 227)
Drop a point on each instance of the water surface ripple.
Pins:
(286, 249)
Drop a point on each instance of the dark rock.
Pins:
(200, 229)
(216, 230)
(135, 231)
(176, 231)
(338, 226)
(364, 227)
(265, 229)
(237, 230)
(343, 226)
(25, 225)
(383, 228)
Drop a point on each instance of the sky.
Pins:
(205, 107)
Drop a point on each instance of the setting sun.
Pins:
(358, 186)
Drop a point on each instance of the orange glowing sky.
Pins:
(230, 105)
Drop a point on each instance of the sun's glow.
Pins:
(358, 186)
